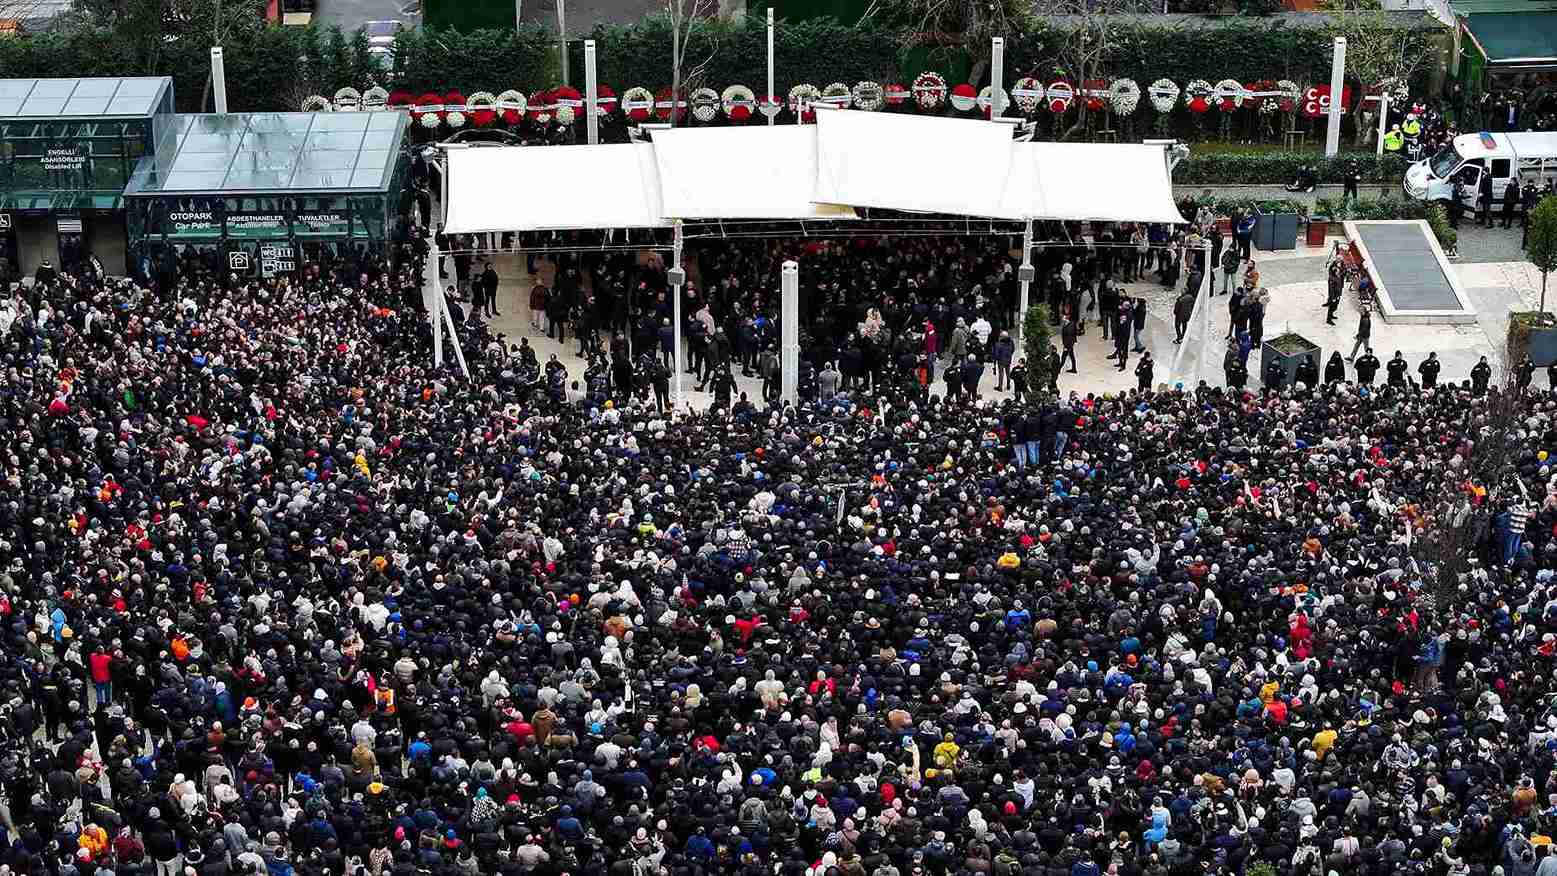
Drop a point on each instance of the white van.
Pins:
(1532, 154)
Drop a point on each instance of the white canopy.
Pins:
(918, 163)
(848, 159)
(1124, 182)
(741, 173)
(494, 188)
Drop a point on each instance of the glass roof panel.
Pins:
(273, 152)
(134, 96)
(192, 182)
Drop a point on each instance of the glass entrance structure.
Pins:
(261, 192)
(67, 149)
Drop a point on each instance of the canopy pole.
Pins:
(219, 80)
(772, 117)
(789, 330)
(1337, 91)
(1024, 282)
(432, 298)
(678, 279)
(1205, 313)
(591, 94)
(454, 338)
(562, 41)
(1378, 148)
(997, 75)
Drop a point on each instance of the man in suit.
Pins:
(489, 290)
(1485, 191)
(1511, 200)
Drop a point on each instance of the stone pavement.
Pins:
(1297, 284)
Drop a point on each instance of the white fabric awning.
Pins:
(495, 188)
(915, 163)
(1124, 182)
(740, 173)
(848, 159)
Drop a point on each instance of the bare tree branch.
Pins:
(687, 17)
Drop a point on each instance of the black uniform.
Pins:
(1367, 366)
(1429, 371)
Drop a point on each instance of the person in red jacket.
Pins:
(102, 676)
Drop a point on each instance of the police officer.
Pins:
(1236, 372)
(1143, 371)
(1353, 177)
(1480, 376)
(1394, 140)
(1429, 370)
(1367, 365)
(1396, 369)
(1456, 204)
(1524, 373)
(1275, 375)
(1308, 372)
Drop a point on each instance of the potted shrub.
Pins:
(1288, 350)
(1534, 333)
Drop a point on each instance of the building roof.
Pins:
(127, 97)
(1515, 38)
(272, 152)
(1472, 7)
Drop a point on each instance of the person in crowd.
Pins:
(1367, 366)
(1428, 370)
(1364, 333)
(1183, 310)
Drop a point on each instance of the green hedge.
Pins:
(1279, 168)
(273, 68)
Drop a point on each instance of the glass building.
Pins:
(105, 167)
(67, 149)
(267, 189)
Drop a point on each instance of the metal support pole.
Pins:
(1337, 91)
(678, 279)
(1383, 123)
(1205, 314)
(997, 75)
(432, 299)
(591, 94)
(518, 13)
(454, 338)
(562, 40)
(772, 117)
(789, 330)
(218, 79)
(1024, 282)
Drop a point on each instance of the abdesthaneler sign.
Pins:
(256, 225)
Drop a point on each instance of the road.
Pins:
(352, 14)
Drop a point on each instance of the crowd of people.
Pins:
(282, 598)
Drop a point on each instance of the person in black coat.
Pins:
(1480, 376)
(1308, 372)
(1428, 370)
(1275, 375)
(1511, 200)
(1367, 365)
(1524, 373)
(489, 281)
(1485, 200)
(1143, 371)
(972, 373)
(1396, 370)
(1236, 372)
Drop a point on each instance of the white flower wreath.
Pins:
(705, 104)
(929, 89)
(429, 120)
(738, 97)
(638, 102)
(801, 97)
(1164, 93)
(1124, 95)
(1229, 89)
(511, 100)
(1028, 91)
(1197, 88)
(456, 119)
(838, 95)
(347, 100)
(1291, 93)
(317, 103)
(375, 98)
(987, 99)
(566, 115)
(869, 96)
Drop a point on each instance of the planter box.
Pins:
(1275, 231)
(1317, 230)
(1289, 351)
(1526, 335)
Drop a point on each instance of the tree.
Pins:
(687, 16)
(1035, 348)
(968, 25)
(1089, 38)
(1541, 245)
(1379, 50)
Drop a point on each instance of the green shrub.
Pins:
(1279, 168)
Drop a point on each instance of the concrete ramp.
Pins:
(1415, 281)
